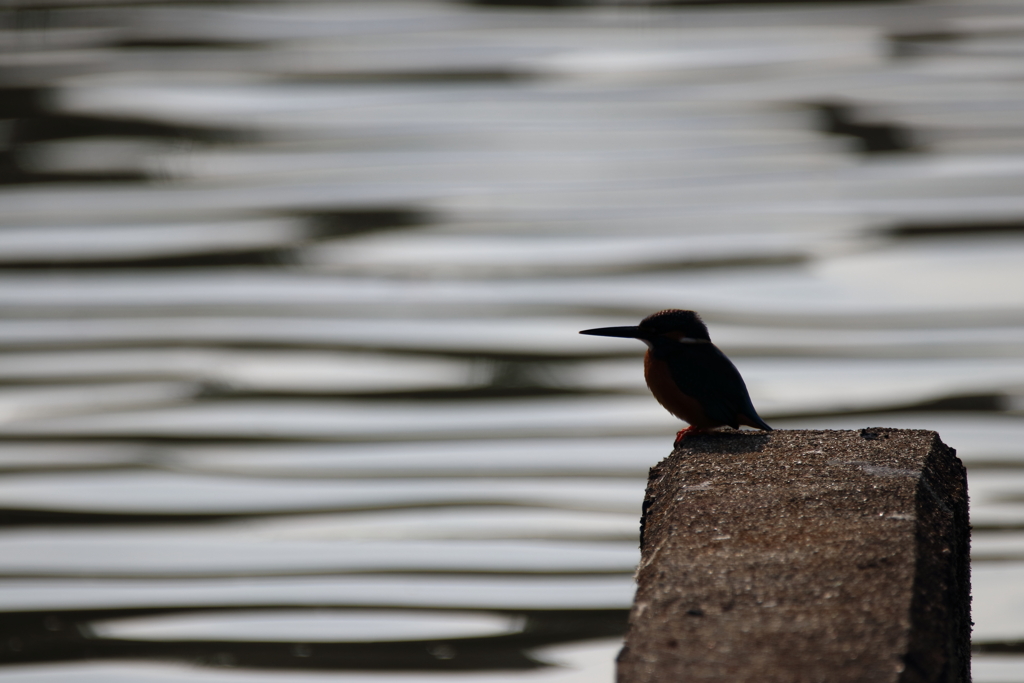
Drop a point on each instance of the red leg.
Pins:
(683, 433)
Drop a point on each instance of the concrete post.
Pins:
(803, 556)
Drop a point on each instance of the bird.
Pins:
(688, 375)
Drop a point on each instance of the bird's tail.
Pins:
(754, 420)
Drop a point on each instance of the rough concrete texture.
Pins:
(803, 556)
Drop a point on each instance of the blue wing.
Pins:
(705, 373)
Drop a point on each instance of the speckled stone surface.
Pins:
(803, 556)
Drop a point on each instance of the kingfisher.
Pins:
(689, 375)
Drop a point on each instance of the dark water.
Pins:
(290, 384)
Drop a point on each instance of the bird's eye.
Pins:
(682, 337)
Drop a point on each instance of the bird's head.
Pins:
(678, 325)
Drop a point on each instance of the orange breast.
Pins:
(659, 381)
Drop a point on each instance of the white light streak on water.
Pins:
(211, 552)
(154, 492)
(358, 420)
(582, 592)
(309, 626)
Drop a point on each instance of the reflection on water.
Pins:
(310, 626)
(291, 385)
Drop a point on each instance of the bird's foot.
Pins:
(683, 433)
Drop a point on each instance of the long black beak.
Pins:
(629, 332)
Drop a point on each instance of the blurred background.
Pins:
(290, 381)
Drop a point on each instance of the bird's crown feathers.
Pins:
(676, 320)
